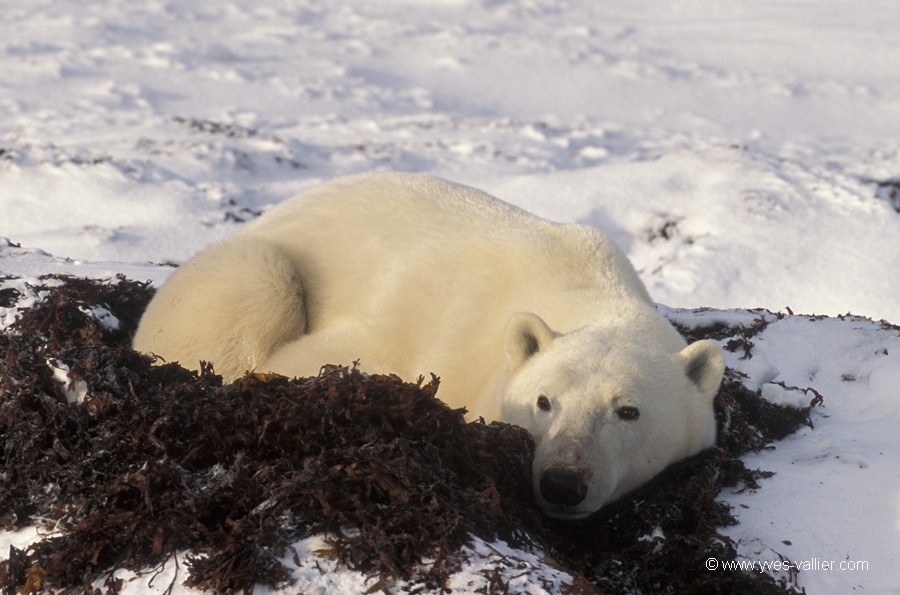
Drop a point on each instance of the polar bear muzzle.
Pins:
(563, 487)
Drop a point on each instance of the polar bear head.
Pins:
(608, 407)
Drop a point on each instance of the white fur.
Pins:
(412, 274)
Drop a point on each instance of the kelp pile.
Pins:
(152, 459)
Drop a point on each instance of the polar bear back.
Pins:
(391, 241)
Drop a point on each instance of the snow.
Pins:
(741, 153)
(74, 390)
(835, 495)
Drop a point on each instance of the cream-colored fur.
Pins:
(411, 274)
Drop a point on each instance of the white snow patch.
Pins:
(106, 318)
(75, 390)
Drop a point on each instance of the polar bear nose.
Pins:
(563, 486)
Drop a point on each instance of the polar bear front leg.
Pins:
(233, 305)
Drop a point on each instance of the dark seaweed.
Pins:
(158, 459)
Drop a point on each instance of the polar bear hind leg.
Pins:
(232, 305)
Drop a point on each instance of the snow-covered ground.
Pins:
(742, 153)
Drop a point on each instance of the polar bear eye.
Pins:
(628, 413)
(543, 403)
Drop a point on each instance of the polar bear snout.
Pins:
(563, 487)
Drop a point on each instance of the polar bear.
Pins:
(535, 323)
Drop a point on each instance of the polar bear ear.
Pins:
(704, 365)
(526, 334)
